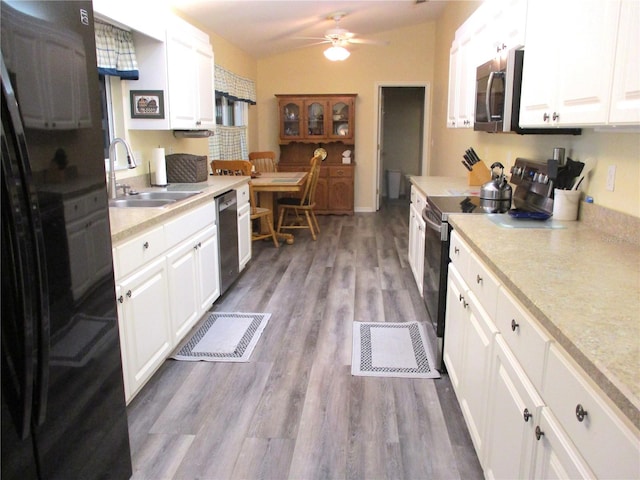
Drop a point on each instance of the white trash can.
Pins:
(393, 183)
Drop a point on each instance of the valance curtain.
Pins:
(115, 51)
(235, 87)
(228, 143)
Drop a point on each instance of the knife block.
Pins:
(479, 175)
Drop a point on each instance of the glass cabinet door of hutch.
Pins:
(291, 120)
(340, 119)
(315, 119)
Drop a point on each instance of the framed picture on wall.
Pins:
(147, 104)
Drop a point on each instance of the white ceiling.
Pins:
(268, 27)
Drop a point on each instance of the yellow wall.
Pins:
(408, 57)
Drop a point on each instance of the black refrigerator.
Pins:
(63, 407)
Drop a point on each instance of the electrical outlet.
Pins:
(611, 178)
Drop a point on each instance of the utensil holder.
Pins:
(479, 174)
(565, 204)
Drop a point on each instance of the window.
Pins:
(231, 113)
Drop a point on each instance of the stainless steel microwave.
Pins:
(498, 85)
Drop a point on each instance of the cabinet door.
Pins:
(584, 81)
(556, 456)
(453, 79)
(510, 429)
(315, 118)
(456, 317)
(208, 268)
(416, 246)
(341, 194)
(341, 118)
(291, 117)
(145, 316)
(625, 94)
(206, 100)
(244, 235)
(182, 81)
(465, 84)
(322, 190)
(183, 288)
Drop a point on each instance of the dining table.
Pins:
(268, 184)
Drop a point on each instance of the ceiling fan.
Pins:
(339, 38)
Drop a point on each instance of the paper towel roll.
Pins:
(159, 166)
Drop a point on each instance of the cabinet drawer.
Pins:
(74, 209)
(483, 284)
(610, 447)
(140, 250)
(459, 254)
(190, 223)
(419, 200)
(95, 201)
(341, 172)
(525, 338)
(243, 195)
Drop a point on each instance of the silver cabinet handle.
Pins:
(128, 293)
(464, 303)
(456, 250)
(539, 433)
(145, 245)
(120, 299)
(556, 116)
(527, 414)
(514, 325)
(580, 413)
(478, 279)
(545, 117)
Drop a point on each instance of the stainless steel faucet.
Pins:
(131, 160)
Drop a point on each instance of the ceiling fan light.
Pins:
(336, 53)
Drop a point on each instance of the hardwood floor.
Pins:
(294, 411)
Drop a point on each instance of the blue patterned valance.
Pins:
(115, 52)
(235, 87)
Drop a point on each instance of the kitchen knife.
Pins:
(466, 165)
(475, 156)
(468, 160)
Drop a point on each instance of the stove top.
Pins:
(444, 206)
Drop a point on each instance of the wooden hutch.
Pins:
(309, 122)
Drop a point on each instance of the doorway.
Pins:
(402, 144)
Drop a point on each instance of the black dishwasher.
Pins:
(227, 223)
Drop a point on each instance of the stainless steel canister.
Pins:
(558, 154)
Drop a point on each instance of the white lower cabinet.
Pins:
(468, 346)
(556, 456)
(417, 232)
(143, 313)
(166, 279)
(530, 410)
(244, 226)
(514, 407)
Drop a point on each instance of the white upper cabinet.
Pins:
(572, 75)
(494, 28)
(625, 92)
(190, 71)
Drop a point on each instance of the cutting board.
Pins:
(507, 221)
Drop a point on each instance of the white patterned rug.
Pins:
(225, 337)
(391, 350)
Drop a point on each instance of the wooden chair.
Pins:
(264, 161)
(305, 204)
(243, 167)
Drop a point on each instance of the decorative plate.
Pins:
(320, 152)
(343, 130)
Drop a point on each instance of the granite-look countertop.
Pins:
(582, 285)
(444, 186)
(126, 222)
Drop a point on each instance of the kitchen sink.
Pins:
(162, 195)
(150, 199)
(139, 203)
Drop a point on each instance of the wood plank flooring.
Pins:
(294, 411)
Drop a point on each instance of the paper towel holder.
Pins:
(151, 184)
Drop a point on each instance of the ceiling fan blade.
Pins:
(365, 41)
(325, 39)
(313, 44)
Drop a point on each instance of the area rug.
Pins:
(391, 350)
(225, 337)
